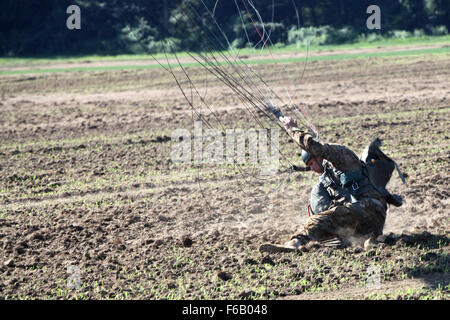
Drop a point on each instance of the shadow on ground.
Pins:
(435, 266)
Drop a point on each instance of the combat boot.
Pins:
(292, 245)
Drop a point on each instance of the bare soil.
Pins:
(87, 180)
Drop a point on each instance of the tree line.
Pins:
(38, 27)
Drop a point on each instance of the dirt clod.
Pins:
(158, 243)
(225, 276)
(250, 261)
(370, 244)
(172, 285)
(371, 253)
(76, 227)
(303, 249)
(312, 245)
(9, 263)
(246, 294)
(429, 256)
(186, 241)
(267, 260)
(163, 218)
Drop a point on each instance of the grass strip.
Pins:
(441, 50)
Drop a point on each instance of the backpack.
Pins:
(379, 169)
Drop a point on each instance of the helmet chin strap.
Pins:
(314, 159)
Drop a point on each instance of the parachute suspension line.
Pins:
(307, 44)
(232, 82)
(296, 13)
(225, 77)
(269, 91)
(169, 69)
(215, 6)
(244, 76)
(228, 79)
(242, 21)
(305, 116)
(246, 96)
(263, 27)
(224, 74)
(192, 85)
(264, 44)
(194, 110)
(207, 61)
(237, 62)
(251, 102)
(300, 80)
(204, 102)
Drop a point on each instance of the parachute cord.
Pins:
(305, 115)
(234, 84)
(242, 20)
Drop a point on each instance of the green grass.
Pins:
(426, 40)
(417, 41)
(8, 62)
(258, 62)
(410, 294)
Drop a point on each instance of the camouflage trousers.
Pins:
(366, 218)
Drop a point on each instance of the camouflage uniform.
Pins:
(365, 216)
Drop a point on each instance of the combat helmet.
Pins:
(306, 156)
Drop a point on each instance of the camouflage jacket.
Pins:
(339, 157)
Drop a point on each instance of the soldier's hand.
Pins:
(288, 122)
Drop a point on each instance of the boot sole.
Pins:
(276, 248)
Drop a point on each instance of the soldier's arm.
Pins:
(340, 156)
